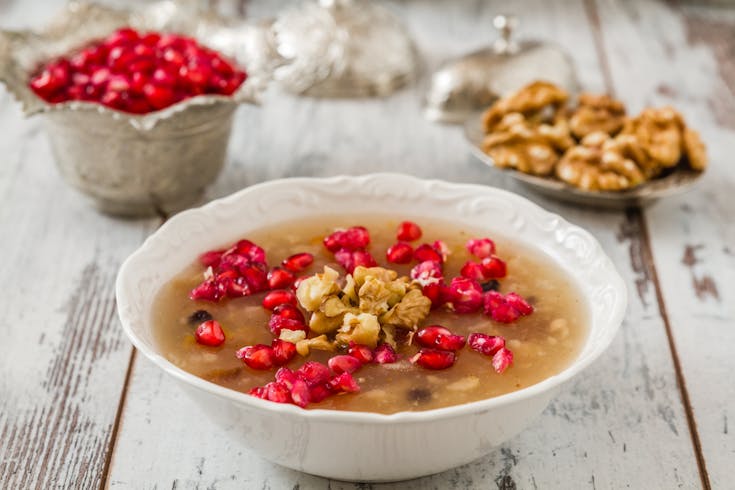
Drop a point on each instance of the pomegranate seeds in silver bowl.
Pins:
(138, 105)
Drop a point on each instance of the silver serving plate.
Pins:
(680, 180)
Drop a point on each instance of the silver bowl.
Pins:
(133, 165)
(680, 180)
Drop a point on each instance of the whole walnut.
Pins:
(538, 102)
(597, 113)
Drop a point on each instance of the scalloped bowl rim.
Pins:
(341, 416)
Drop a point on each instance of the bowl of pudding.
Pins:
(341, 326)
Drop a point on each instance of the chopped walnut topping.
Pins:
(315, 289)
(597, 113)
(409, 312)
(361, 329)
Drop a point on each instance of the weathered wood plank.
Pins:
(622, 424)
(691, 236)
(64, 356)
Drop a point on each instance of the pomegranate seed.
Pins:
(208, 291)
(494, 267)
(300, 393)
(256, 276)
(298, 262)
(408, 231)
(238, 287)
(343, 382)
(289, 311)
(434, 359)
(277, 392)
(257, 356)
(279, 278)
(427, 272)
(399, 253)
(502, 360)
(363, 258)
(481, 247)
(426, 252)
(211, 258)
(344, 364)
(427, 336)
(210, 333)
(279, 297)
(485, 344)
(286, 377)
(319, 393)
(442, 249)
(279, 322)
(465, 295)
(160, 69)
(349, 260)
(505, 309)
(434, 293)
(520, 304)
(282, 351)
(250, 250)
(354, 238)
(473, 270)
(233, 262)
(384, 354)
(313, 373)
(362, 353)
(450, 342)
(297, 282)
(259, 392)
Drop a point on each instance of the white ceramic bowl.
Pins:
(355, 445)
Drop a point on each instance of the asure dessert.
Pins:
(137, 72)
(383, 317)
(594, 146)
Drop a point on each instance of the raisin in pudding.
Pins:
(382, 317)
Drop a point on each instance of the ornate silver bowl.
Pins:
(135, 165)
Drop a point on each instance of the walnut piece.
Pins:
(533, 149)
(659, 132)
(695, 150)
(600, 163)
(312, 291)
(597, 113)
(361, 329)
(303, 347)
(409, 312)
(538, 101)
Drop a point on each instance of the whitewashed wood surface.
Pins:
(78, 408)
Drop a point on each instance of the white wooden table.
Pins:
(79, 408)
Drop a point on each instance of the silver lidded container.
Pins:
(463, 86)
(133, 165)
(343, 48)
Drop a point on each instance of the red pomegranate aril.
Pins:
(210, 333)
(208, 291)
(278, 323)
(279, 278)
(250, 250)
(384, 354)
(314, 373)
(408, 231)
(300, 393)
(286, 377)
(344, 364)
(256, 276)
(425, 253)
(442, 249)
(466, 295)
(277, 392)
(473, 270)
(427, 272)
(450, 342)
(354, 238)
(318, 393)
(494, 267)
(481, 247)
(485, 344)
(279, 297)
(350, 259)
(520, 304)
(282, 351)
(434, 293)
(290, 311)
(258, 356)
(399, 253)
(298, 262)
(158, 96)
(434, 359)
(502, 359)
(259, 392)
(211, 258)
(363, 258)
(343, 382)
(298, 281)
(427, 336)
(238, 287)
(362, 353)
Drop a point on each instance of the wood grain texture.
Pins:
(620, 425)
(691, 236)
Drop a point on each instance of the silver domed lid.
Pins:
(472, 82)
(343, 48)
